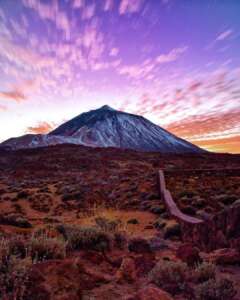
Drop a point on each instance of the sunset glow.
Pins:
(176, 62)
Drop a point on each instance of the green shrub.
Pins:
(43, 247)
(212, 289)
(169, 275)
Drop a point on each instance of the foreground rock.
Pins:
(221, 231)
(150, 293)
(225, 256)
(58, 280)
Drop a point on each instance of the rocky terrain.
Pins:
(89, 223)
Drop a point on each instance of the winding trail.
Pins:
(171, 205)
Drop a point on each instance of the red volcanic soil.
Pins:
(89, 223)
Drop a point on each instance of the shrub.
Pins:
(13, 278)
(204, 272)
(120, 240)
(13, 270)
(80, 237)
(172, 229)
(107, 225)
(43, 247)
(212, 289)
(169, 275)
(15, 220)
(4, 249)
(22, 195)
(18, 246)
(133, 221)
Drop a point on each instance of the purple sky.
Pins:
(176, 62)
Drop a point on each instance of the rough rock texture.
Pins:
(225, 256)
(150, 293)
(222, 231)
(55, 279)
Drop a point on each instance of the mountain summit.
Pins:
(107, 127)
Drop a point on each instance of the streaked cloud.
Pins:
(130, 6)
(173, 55)
(40, 128)
(65, 57)
(15, 95)
(224, 35)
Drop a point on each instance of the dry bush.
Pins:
(44, 247)
(204, 272)
(169, 275)
(221, 289)
(80, 237)
(13, 270)
(107, 225)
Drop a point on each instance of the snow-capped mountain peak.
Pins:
(107, 127)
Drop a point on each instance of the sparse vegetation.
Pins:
(170, 276)
(79, 237)
(13, 271)
(204, 271)
(171, 230)
(220, 289)
(43, 247)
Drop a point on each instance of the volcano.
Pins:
(107, 127)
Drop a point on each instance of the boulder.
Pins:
(225, 256)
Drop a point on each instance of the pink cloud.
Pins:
(130, 6)
(108, 5)
(114, 52)
(173, 55)
(14, 94)
(88, 11)
(40, 128)
(3, 107)
(20, 91)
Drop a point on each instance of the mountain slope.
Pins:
(106, 127)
